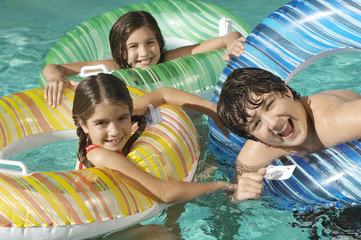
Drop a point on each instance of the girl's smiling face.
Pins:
(142, 48)
(278, 121)
(110, 126)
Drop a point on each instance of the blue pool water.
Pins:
(29, 28)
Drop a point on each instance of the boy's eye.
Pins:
(255, 125)
(269, 104)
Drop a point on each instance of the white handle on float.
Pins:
(102, 67)
(154, 116)
(225, 26)
(279, 172)
(24, 168)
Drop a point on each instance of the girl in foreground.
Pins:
(104, 112)
(135, 41)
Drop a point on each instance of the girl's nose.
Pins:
(113, 129)
(143, 51)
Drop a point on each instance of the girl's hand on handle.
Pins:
(235, 48)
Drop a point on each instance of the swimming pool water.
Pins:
(29, 28)
(57, 156)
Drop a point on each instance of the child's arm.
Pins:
(56, 74)
(232, 41)
(250, 168)
(255, 155)
(178, 98)
(166, 191)
(158, 189)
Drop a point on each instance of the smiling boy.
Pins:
(276, 120)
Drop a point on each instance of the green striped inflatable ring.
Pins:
(190, 21)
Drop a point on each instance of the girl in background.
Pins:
(135, 41)
(104, 113)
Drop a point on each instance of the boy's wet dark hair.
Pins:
(236, 96)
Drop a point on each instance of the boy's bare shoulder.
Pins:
(342, 94)
(326, 101)
(335, 116)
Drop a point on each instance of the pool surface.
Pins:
(28, 29)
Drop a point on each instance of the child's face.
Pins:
(110, 126)
(142, 48)
(279, 121)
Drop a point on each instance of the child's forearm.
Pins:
(178, 191)
(52, 72)
(188, 100)
(216, 43)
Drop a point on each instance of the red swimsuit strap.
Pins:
(89, 148)
(92, 146)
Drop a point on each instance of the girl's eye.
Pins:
(122, 118)
(132, 46)
(100, 123)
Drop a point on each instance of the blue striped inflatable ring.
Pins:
(290, 39)
(328, 178)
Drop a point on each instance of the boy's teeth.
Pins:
(284, 128)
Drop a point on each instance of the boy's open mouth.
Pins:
(287, 130)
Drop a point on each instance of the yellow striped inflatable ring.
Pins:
(83, 203)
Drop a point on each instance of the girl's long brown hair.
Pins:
(122, 29)
(92, 91)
